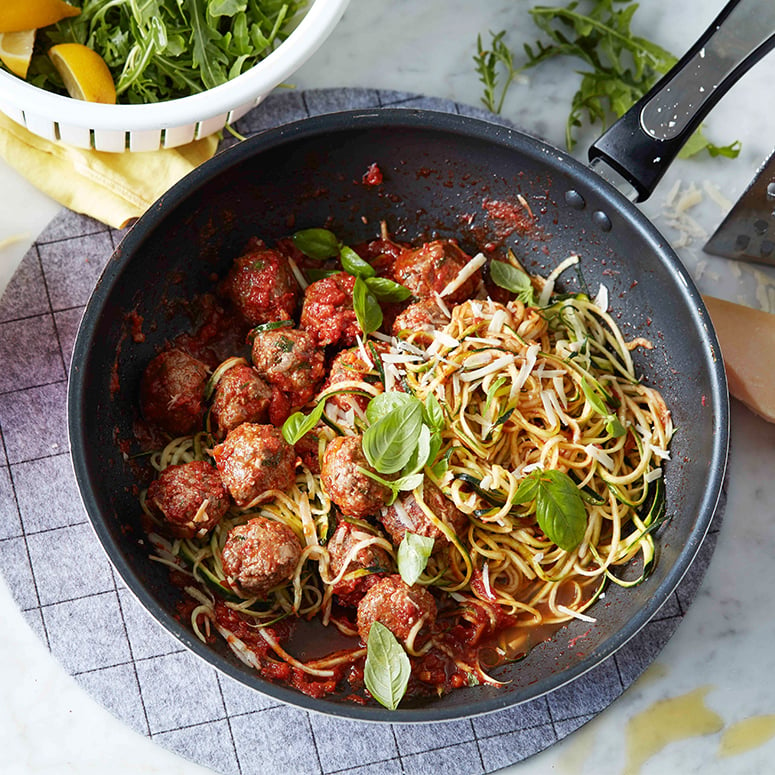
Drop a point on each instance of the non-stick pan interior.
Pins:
(442, 175)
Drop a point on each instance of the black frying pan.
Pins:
(441, 175)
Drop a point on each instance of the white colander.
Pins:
(174, 122)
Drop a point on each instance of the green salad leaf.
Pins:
(387, 669)
(559, 506)
(619, 67)
(414, 551)
(166, 49)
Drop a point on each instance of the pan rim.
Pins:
(414, 119)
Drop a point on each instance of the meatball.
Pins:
(328, 312)
(392, 602)
(291, 361)
(260, 555)
(431, 267)
(373, 559)
(190, 498)
(253, 459)
(172, 392)
(422, 316)
(356, 494)
(406, 514)
(240, 396)
(349, 366)
(261, 285)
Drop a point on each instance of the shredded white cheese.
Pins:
(496, 365)
(464, 274)
(548, 288)
(576, 614)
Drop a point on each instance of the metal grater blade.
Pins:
(748, 231)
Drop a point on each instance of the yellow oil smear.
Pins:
(746, 735)
(668, 721)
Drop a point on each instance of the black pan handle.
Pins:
(643, 143)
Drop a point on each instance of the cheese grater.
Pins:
(748, 231)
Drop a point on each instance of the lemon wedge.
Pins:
(20, 15)
(84, 72)
(16, 51)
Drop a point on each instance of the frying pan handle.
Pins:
(642, 144)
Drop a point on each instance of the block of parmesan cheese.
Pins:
(747, 339)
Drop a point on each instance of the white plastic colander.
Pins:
(167, 124)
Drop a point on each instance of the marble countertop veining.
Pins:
(711, 686)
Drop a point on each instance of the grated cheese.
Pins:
(548, 288)
(365, 357)
(601, 299)
(576, 614)
(464, 274)
(496, 365)
(600, 455)
(652, 476)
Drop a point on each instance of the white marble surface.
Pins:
(725, 643)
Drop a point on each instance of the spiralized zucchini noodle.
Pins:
(521, 389)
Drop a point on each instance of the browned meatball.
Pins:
(422, 316)
(261, 285)
(253, 459)
(240, 396)
(431, 267)
(356, 494)
(349, 366)
(190, 498)
(172, 392)
(328, 312)
(291, 361)
(372, 558)
(392, 602)
(260, 555)
(407, 514)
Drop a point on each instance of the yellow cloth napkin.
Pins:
(114, 188)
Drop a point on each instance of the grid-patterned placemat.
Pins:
(71, 596)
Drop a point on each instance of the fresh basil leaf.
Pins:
(594, 398)
(560, 508)
(384, 403)
(313, 275)
(409, 483)
(440, 467)
(387, 669)
(389, 443)
(514, 280)
(433, 413)
(414, 551)
(387, 290)
(367, 310)
(319, 244)
(353, 264)
(526, 490)
(614, 426)
(299, 424)
(422, 451)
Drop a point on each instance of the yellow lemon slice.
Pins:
(16, 51)
(84, 72)
(20, 15)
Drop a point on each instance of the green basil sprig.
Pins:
(612, 423)
(515, 280)
(387, 669)
(414, 551)
(369, 290)
(559, 506)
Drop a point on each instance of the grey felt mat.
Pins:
(73, 599)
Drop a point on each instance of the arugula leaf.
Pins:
(559, 506)
(387, 669)
(414, 551)
(166, 49)
(622, 66)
